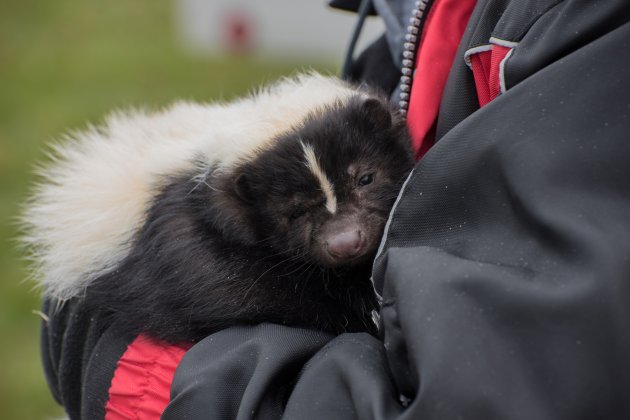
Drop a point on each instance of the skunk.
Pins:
(186, 221)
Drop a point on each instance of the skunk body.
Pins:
(200, 217)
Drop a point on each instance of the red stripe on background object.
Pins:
(141, 385)
(441, 35)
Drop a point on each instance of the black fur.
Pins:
(248, 245)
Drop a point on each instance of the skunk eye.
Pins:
(297, 213)
(366, 180)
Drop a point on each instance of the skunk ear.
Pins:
(242, 188)
(232, 210)
(377, 112)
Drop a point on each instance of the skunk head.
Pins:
(308, 165)
(323, 191)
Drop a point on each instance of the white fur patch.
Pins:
(326, 186)
(96, 189)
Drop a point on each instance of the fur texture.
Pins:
(202, 216)
(100, 182)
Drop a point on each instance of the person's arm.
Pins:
(241, 372)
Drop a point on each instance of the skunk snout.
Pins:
(346, 245)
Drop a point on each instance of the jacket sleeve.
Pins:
(506, 265)
(241, 372)
(80, 350)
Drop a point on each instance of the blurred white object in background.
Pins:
(300, 30)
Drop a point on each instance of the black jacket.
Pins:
(505, 270)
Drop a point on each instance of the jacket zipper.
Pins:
(410, 48)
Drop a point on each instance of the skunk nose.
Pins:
(346, 244)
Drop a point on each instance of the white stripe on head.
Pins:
(327, 188)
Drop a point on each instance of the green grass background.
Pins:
(65, 63)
